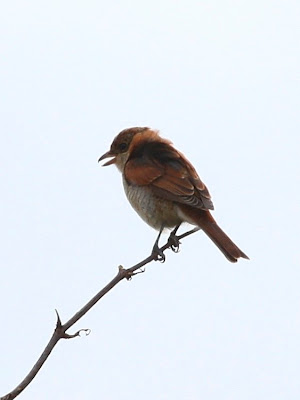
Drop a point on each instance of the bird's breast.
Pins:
(154, 210)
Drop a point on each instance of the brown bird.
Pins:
(164, 188)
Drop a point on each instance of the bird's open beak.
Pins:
(107, 155)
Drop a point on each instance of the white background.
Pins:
(221, 80)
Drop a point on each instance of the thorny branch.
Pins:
(60, 329)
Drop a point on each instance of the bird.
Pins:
(164, 188)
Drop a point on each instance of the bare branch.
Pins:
(60, 329)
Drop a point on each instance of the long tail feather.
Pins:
(206, 222)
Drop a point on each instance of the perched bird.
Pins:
(164, 188)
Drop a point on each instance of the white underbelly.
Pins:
(154, 210)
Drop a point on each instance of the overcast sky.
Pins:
(219, 78)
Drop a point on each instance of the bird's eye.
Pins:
(123, 147)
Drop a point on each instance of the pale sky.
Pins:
(221, 80)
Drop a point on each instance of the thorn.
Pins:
(58, 322)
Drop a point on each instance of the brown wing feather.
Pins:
(141, 174)
(169, 174)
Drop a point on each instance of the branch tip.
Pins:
(130, 274)
(60, 329)
(76, 334)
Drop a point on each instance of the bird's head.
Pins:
(123, 144)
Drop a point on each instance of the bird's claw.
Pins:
(158, 254)
(174, 242)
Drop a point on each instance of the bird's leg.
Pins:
(173, 239)
(156, 251)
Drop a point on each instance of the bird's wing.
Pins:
(168, 173)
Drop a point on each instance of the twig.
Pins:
(60, 329)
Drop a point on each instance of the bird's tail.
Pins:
(206, 222)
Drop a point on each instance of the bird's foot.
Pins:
(158, 254)
(173, 240)
(174, 243)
